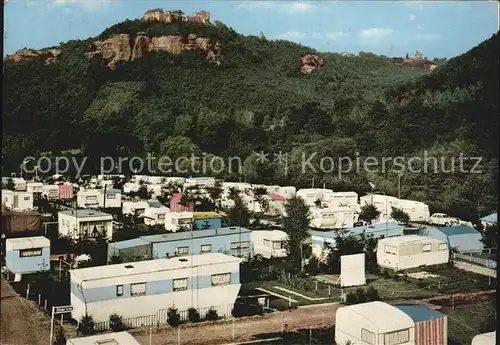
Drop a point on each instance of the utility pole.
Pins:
(399, 184)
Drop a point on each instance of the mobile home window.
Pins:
(26, 198)
(161, 216)
(206, 248)
(266, 243)
(278, 245)
(91, 198)
(367, 336)
(398, 337)
(26, 253)
(180, 284)
(110, 196)
(138, 289)
(426, 247)
(443, 246)
(237, 245)
(390, 250)
(119, 290)
(183, 250)
(221, 279)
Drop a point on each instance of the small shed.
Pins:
(431, 327)
(485, 339)
(65, 191)
(373, 323)
(27, 254)
(207, 220)
(175, 205)
(461, 238)
(117, 338)
(17, 222)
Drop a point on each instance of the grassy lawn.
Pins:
(465, 321)
(449, 280)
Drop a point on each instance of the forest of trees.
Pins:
(257, 100)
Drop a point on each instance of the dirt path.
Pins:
(21, 322)
(245, 329)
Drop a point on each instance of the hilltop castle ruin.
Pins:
(160, 15)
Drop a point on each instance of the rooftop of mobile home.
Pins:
(457, 230)
(407, 239)
(385, 317)
(150, 266)
(380, 227)
(27, 243)
(118, 338)
(492, 218)
(206, 215)
(185, 235)
(419, 313)
(85, 213)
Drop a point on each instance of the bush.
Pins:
(212, 315)
(173, 317)
(193, 315)
(244, 309)
(86, 326)
(372, 294)
(386, 274)
(279, 304)
(351, 299)
(361, 295)
(60, 338)
(396, 277)
(116, 323)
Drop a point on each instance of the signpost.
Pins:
(55, 311)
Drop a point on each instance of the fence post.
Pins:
(233, 329)
(310, 334)
(329, 291)
(45, 306)
(282, 322)
(316, 285)
(179, 335)
(28, 292)
(150, 336)
(39, 299)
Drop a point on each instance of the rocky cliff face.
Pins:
(125, 47)
(310, 62)
(50, 55)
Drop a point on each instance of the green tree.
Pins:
(173, 316)
(86, 325)
(400, 216)
(295, 224)
(238, 215)
(368, 213)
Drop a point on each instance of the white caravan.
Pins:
(175, 221)
(411, 251)
(155, 215)
(269, 244)
(333, 218)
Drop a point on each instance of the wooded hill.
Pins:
(257, 99)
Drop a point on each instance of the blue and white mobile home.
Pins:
(232, 241)
(151, 287)
(27, 255)
(379, 230)
(460, 238)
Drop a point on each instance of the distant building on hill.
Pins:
(160, 15)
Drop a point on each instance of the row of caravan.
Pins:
(336, 210)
